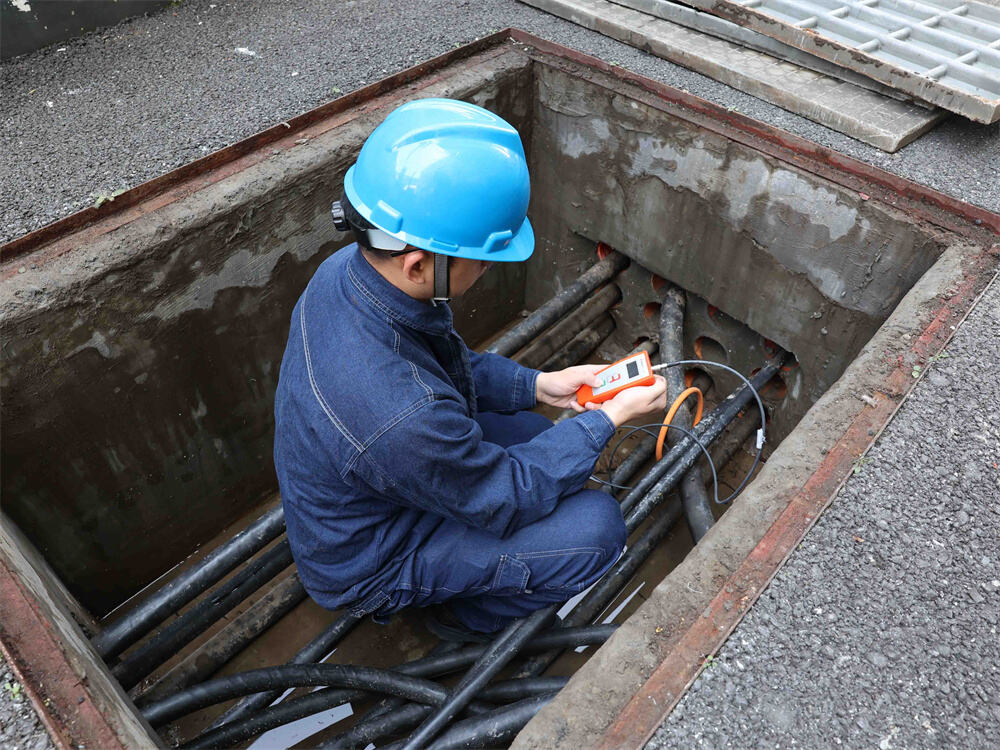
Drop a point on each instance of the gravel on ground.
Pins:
(881, 630)
(118, 106)
(20, 727)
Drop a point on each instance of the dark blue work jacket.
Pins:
(376, 442)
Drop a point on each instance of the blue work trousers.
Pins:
(489, 580)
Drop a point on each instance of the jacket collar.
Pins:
(395, 303)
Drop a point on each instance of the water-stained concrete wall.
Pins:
(139, 370)
(804, 262)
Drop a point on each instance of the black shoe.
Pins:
(443, 623)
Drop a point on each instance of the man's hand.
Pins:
(559, 388)
(634, 402)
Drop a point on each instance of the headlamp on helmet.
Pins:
(346, 218)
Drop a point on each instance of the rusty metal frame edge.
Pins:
(636, 723)
(975, 108)
(49, 233)
(30, 646)
(37, 701)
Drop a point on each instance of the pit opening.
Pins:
(150, 377)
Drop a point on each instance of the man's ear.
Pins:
(417, 266)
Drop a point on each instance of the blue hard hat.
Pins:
(448, 177)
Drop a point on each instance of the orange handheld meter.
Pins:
(615, 378)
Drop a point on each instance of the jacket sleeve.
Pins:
(501, 383)
(461, 476)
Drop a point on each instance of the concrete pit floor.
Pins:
(909, 658)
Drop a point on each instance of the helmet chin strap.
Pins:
(442, 284)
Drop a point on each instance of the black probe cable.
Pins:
(646, 428)
(761, 433)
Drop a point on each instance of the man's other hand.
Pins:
(559, 388)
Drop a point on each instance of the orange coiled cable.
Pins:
(673, 410)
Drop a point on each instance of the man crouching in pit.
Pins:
(411, 470)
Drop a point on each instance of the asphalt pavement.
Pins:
(879, 632)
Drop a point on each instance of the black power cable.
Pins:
(498, 654)
(429, 666)
(761, 434)
(134, 624)
(407, 717)
(171, 638)
(313, 652)
(292, 675)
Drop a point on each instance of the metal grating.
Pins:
(673, 11)
(943, 51)
(882, 122)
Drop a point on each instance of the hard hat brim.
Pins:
(520, 247)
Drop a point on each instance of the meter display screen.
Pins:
(621, 373)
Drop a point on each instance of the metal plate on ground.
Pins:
(692, 18)
(946, 52)
(882, 122)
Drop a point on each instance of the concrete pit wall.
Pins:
(803, 262)
(139, 371)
